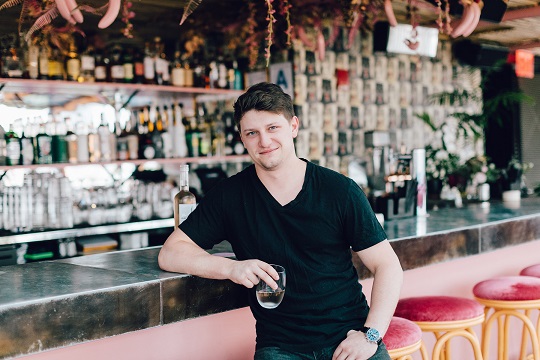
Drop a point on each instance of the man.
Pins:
(285, 210)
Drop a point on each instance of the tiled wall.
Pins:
(352, 90)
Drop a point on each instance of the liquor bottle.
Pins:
(33, 61)
(72, 142)
(188, 72)
(56, 69)
(147, 149)
(2, 146)
(178, 133)
(132, 137)
(184, 201)
(156, 131)
(13, 147)
(161, 63)
(27, 146)
(100, 72)
(117, 65)
(104, 135)
(236, 79)
(73, 63)
(59, 149)
(81, 130)
(122, 150)
(94, 145)
(44, 52)
(88, 65)
(13, 62)
(166, 134)
(178, 72)
(205, 132)
(129, 66)
(149, 65)
(42, 146)
(138, 67)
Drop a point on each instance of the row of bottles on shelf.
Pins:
(150, 133)
(49, 201)
(121, 64)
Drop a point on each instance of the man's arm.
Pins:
(180, 254)
(383, 262)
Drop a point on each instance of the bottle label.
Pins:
(73, 67)
(149, 71)
(13, 152)
(128, 71)
(184, 210)
(178, 76)
(100, 73)
(88, 63)
(139, 69)
(117, 72)
(55, 68)
(149, 152)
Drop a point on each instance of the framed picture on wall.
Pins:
(393, 113)
(313, 65)
(356, 117)
(330, 144)
(329, 118)
(328, 65)
(358, 143)
(343, 117)
(370, 117)
(394, 93)
(382, 118)
(299, 58)
(302, 112)
(405, 94)
(316, 113)
(300, 89)
(314, 89)
(368, 92)
(380, 93)
(327, 91)
(316, 139)
(403, 69)
(356, 92)
(354, 66)
(367, 67)
(344, 142)
(301, 143)
(393, 70)
(381, 68)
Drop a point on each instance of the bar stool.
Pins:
(403, 338)
(508, 296)
(446, 317)
(533, 270)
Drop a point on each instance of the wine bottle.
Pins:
(73, 63)
(13, 147)
(104, 134)
(42, 146)
(184, 201)
(2, 146)
(88, 65)
(56, 70)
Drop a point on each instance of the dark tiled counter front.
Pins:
(57, 303)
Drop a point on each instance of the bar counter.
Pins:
(52, 304)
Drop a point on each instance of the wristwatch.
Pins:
(372, 335)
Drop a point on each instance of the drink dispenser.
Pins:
(393, 183)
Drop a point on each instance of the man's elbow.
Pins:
(163, 260)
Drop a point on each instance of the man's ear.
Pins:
(295, 125)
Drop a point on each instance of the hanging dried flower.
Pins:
(270, 29)
(284, 11)
(251, 41)
(127, 15)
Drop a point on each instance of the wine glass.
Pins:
(267, 297)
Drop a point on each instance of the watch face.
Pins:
(373, 335)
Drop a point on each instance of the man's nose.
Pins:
(265, 140)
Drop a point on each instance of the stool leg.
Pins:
(445, 339)
(423, 352)
(503, 342)
(523, 350)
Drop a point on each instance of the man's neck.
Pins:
(286, 182)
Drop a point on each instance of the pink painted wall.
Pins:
(231, 335)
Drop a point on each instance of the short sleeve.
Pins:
(206, 224)
(361, 227)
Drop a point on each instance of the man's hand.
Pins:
(249, 272)
(355, 347)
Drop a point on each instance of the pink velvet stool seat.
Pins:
(446, 317)
(505, 297)
(403, 338)
(533, 270)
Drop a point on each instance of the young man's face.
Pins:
(268, 137)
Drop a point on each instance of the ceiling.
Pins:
(519, 28)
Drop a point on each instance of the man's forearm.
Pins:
(184, 256)
(385, 295)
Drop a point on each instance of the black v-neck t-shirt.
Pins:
(310, 237)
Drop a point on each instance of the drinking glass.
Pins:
(267, 297)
